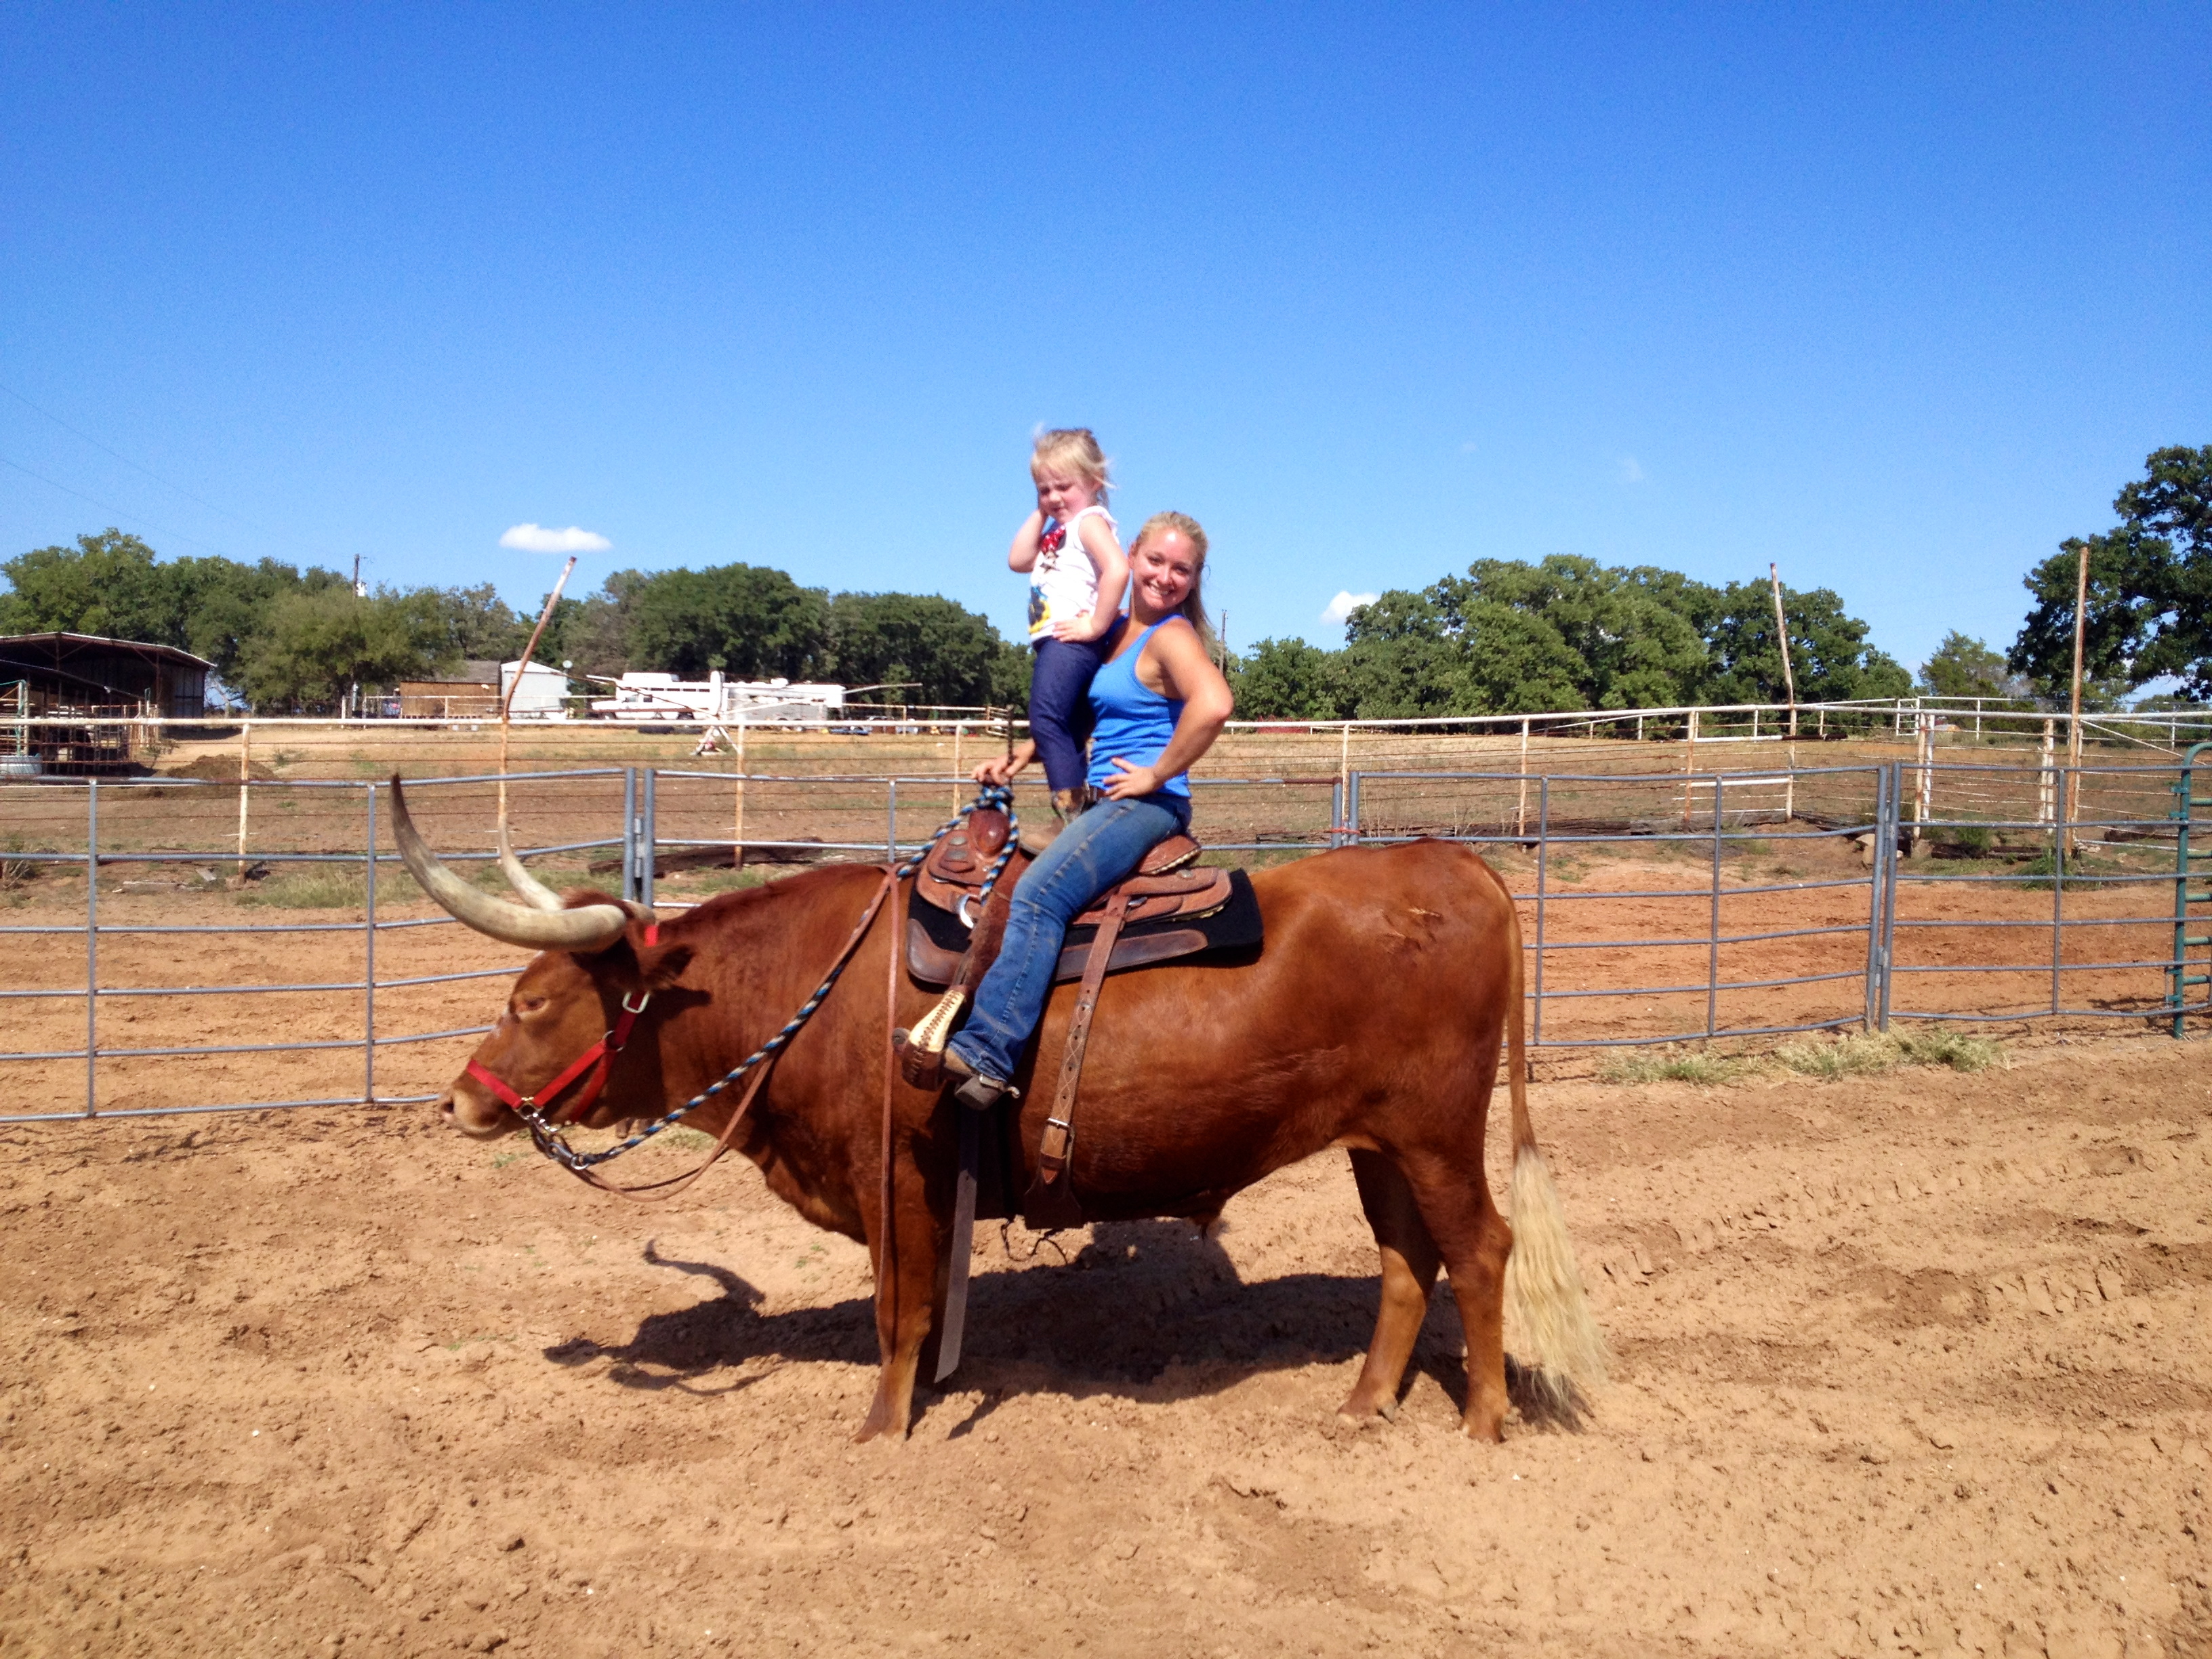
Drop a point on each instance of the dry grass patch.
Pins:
(1867, 1054)
(1672, 1064)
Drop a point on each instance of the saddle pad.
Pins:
(935, 940)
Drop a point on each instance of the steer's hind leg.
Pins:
(1409, 1273)
(1475, 1241)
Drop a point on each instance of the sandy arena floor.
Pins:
(1916, 1363)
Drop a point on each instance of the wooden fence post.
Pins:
(1521, 812)
(2073, 716)
(2046, 804)
(244, 777)
(737, 827)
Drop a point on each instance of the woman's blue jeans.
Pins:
(1097, 849)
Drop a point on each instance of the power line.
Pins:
(105, 450)
(117, 511)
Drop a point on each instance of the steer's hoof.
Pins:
(1361, 1410)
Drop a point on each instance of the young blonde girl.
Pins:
(1078, 574)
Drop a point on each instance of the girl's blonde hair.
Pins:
(1074, 449)
(1193, 609)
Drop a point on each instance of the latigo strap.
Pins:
(1050, 1200)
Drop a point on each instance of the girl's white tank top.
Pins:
(1064, 582)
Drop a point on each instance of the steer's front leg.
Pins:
(906, 1299)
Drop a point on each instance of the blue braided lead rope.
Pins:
(550, 1141)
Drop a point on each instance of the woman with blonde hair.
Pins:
(1157, 703)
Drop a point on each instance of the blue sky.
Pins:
(1897, 297)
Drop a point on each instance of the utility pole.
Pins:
(515, 685)
(1781, 632)
(359, 592)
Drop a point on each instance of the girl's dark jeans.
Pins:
(1059, 704)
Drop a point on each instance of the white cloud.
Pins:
(1631, 471)
(537, 539)
(1468, 447)
(1345, 603)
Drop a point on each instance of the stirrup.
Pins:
(977, 1092)
(980, 1093)
(921, 1049)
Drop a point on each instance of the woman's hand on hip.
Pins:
(1130, 782)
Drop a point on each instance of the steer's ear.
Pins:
(637, 966)
(658, 966)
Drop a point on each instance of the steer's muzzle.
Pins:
(474, 1115)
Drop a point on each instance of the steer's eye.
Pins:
(530, 1005)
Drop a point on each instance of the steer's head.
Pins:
(593, 953)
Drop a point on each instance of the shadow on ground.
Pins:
(1147, 1309)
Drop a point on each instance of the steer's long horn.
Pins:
(589, 928)
(536, 891)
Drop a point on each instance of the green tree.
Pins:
(1288, 680)
(225, 603)
(948, 652)
(476, 623)
(1609, 638)
(749, 621)
(2149, 613)
(107, 585)
(1963, 667)
(1828, 651)
(316, 643)
(1401, 660)
(1010, 676)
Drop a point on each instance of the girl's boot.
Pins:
(1066, 804)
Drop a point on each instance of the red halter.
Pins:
(598, 1060)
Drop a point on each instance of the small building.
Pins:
(84, 674)
(50, 677)
(471, 694)
(448, 700)
(542, 696)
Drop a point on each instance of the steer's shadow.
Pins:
(1147, 1309)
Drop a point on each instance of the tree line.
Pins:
(1511, 637)
(294, 639)
(1568, 633)
(1508, 637)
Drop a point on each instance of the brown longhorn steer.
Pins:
(1372, 1020)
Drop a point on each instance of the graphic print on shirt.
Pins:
(1047, 566)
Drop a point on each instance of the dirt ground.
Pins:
(1913, 1363)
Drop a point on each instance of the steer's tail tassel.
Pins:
(1564, 1348)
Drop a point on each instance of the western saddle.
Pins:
(965, 884)
(1165, 890)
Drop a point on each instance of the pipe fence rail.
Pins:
(1656, 907)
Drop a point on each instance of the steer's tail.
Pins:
(1546, 1291)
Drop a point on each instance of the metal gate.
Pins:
(1656, 907)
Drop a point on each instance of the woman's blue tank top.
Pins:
(1134, 721)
